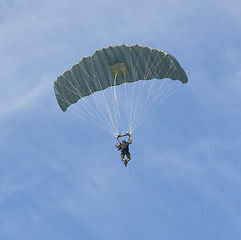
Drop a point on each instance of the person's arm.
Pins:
(116, 144)
(130, 141)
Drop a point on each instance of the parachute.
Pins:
(119, 85)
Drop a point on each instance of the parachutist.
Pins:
(124, 147)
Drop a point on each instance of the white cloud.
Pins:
(22, 99)
(40, 40)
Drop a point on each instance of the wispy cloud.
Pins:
(65, 178)
(204, 167)
(22, 99)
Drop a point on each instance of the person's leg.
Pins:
(122, 158)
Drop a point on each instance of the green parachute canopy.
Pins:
(112, 66)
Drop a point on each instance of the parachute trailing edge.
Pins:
(113, 66)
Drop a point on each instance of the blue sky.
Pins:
(62, 178)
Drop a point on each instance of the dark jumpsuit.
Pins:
(124, 147)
